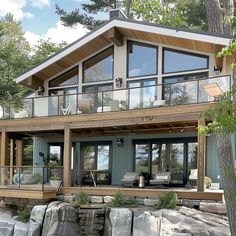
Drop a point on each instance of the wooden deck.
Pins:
(28, 194)
(216, 195)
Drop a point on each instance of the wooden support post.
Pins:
(201, 158)
(11, 159)
(115, 36)
(19, 152)
(67, 156)
(4, 156)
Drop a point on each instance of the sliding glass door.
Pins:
(96, 159)
(175, 156)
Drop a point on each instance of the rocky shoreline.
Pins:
(61, 218)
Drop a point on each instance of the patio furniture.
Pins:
(104, 109)
(26, 178)
(66, 111)
(130, 179)
(160, 178)
(116, 105)
(84, 106)
(193, 177)
(159, 103)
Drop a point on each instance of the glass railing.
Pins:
(180, 93)
(31, 177)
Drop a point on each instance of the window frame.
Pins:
(182, 52)
(128, 61)
(67, 85)
(92, 57)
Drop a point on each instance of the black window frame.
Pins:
(96, 55)
(182, 52)
(167, 141)
(127, 57)
(64, 73)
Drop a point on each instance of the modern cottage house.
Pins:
(124, 98)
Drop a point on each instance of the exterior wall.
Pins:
(122, 157)
(212, 165)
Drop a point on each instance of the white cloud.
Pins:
(16, 8)
(39, 3)
(58, 34)
(32, 38)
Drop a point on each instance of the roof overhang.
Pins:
(113, 32)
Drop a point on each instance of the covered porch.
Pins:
(158, 122)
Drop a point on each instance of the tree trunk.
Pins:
(215, 16)
(227, 170)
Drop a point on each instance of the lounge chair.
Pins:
(130, 179)
(160, 178)
(193, 177)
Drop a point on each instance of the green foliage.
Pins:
(178, 13)
(207, 181)
(168, 201)
(119, 200)
(14, 58)
(23, 215)
(81, 198)
(223, 117)
(44, 49)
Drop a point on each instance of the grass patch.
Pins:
(120, 201)
(168, 201)
(23, 215)
(81, 198)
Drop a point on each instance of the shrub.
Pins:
(81, 198)
(119, 200)
(23, 215)
(168, 201)
(207, 181)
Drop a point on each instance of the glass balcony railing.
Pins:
(180, 93)
(31, 177)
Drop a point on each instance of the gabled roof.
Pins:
(111, 33)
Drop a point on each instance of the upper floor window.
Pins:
(99, 67)
(178, 61)
(68, 78)
(142, 59)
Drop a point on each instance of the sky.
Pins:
(39, 19)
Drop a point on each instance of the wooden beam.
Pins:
(4, 147)
(11, 159)
(4, 156)
(19, 152)
(115, 36)
(201, 158)
(34, 82)
(67, 156)
(152, 193)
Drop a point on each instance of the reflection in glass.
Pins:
(175, 61)
(103, 158)
(95, 95)
(192, 156)
(141, 157)
(183, 92)
(68, 78)
(177, 162)
(142, 59)
(158, 158)
(89, 158)
(99, 67)
(142, 93)
(66, 100)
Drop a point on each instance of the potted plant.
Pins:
(55, 181)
